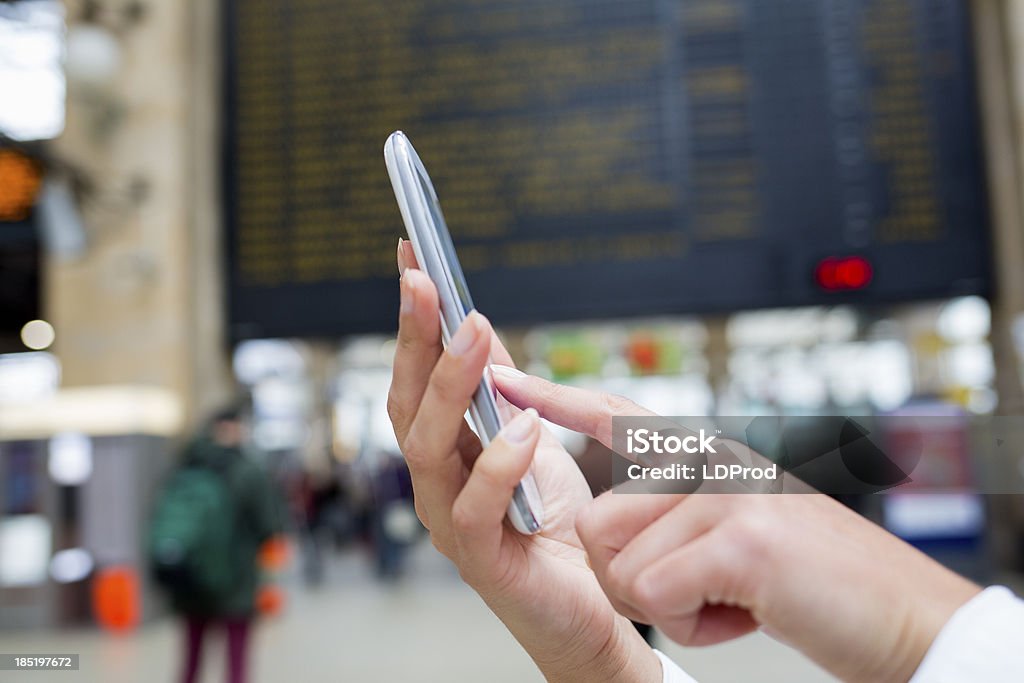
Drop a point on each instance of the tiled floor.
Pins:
(428, 628)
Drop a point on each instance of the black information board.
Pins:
(20, 179)
(20, 260)
(600, 158)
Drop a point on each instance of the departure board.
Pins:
(602, 158)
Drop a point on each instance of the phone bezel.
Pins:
(435, 254)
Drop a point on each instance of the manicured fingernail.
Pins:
(400, 256)
(467, 335)
(507, 371)
(406, 286)
(522, 427)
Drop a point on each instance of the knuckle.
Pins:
(421, 513)
(396, 410)
(610, 406)
(617, 582)
(492, 474)
(441, 545)
(466, 574)
(407, 339)
(413, 452)
(436, 542)
(463, 519)
(751, 533)
(646, 593)
(444, 382)
(614, 404)
(549, 391)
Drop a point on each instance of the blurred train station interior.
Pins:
(714, 207)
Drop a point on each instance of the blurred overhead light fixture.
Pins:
(25, 542)
(70, 462)
(38, 335)
(71, 565)
(27, 377)
(93, 56)
(31, 74)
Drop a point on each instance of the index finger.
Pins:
(587, 412)
(417, 349)
(407, 259)
(431, 447)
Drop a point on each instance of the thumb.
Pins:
(479, 509)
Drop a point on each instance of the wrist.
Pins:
(932, 616)
(622, 657)
(923, 620)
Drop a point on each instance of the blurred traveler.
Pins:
(323, 515)
(706, 568)
(215, 511)
(393, 518)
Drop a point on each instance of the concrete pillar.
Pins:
(143, 304)
(999, 37)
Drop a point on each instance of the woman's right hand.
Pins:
(706, 568)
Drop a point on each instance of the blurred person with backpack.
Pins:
(215, 511)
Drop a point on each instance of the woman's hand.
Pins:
(539, 586)
(707, 568)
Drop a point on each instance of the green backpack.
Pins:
(189, 544)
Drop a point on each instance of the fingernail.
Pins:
(400, 257)
(507, 371)
(467, 335)
(405, 285)
(522, 427)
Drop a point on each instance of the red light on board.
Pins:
(837, 274)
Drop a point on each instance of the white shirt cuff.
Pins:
(982, 641)
(670, 671)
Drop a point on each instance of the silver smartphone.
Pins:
(435, 253)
